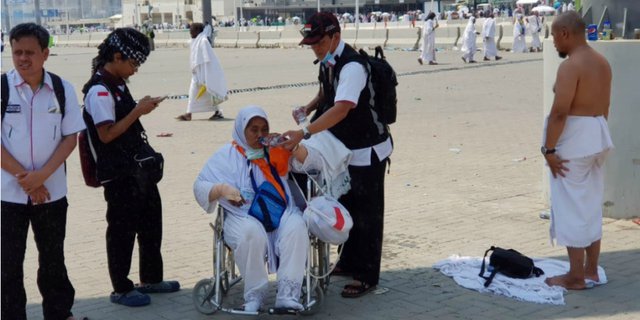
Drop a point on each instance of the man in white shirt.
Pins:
(343, 107)
(38, 134)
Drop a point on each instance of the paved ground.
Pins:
(466, 174)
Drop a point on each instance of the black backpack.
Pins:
(509, 262)
(382, 82)
(58, 89)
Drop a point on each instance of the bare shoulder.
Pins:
(569, 66)
(602, 60)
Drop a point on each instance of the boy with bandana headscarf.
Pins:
(134, 206)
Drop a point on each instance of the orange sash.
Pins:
(279, 158)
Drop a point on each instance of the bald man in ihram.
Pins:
(575, 144)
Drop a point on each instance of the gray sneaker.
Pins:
(160, 287)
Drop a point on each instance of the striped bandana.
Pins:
(129, 47)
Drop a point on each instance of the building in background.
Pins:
(58, 13)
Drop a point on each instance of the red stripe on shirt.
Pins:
(103, 94)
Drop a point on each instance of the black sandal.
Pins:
(357, 291)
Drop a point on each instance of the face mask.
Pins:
(253, 154)
(328, 58)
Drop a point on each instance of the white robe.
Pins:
(488, 38)
(429, 41)
(469, 40)
(535, 27)
(519, 42)
(206, 70)
(576, 199)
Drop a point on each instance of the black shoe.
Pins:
(216, 116)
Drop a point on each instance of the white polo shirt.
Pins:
(32, 130)
(100, 104)
(353, 78)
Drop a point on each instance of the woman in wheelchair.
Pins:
(233, 176)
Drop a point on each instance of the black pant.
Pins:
(133, 208)
(48, 222)
(361, 254)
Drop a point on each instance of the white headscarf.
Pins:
(242, 121)
(471, 28)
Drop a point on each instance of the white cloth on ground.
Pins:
(488, 38)
(206, 70)
(334, 158)
(576, 199)
(429, 41)
(469, 40)
(465, 270)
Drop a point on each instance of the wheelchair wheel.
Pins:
(203, 293)
(317, 296)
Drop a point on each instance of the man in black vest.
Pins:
(343, 106)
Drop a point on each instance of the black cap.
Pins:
(319, 25)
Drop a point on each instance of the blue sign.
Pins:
(49, 12)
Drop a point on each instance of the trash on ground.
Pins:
(545, 215)
(381, 290)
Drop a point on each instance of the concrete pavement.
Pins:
(465, 175)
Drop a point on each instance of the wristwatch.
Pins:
(546, 151)
(306, 134)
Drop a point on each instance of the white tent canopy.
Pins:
(543, 9)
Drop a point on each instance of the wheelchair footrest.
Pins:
(283, 311)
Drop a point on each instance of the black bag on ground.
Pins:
(509, 262)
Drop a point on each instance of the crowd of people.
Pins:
(532, 25)
(240, 173)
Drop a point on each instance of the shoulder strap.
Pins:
(490, 278)
(58, 89)
(537, 271)
(274, 173)
(483, 262)
(5, 94)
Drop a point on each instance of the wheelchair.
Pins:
(208, 294)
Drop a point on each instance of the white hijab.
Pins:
(242, 120)
(471, 28)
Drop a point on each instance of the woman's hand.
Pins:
(228, 192)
